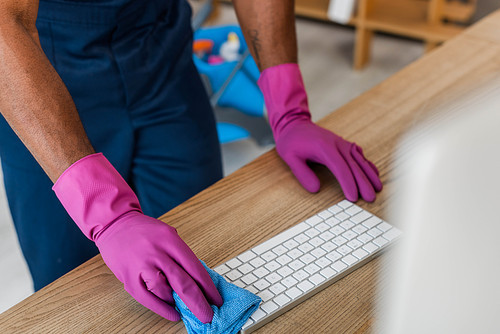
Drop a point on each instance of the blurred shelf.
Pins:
(315, 9)
(432, 21)
(407, 18)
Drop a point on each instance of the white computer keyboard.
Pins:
(301, 261)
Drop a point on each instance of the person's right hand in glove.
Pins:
(145, 254)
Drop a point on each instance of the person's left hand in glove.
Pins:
(269, 30)
(299, 141)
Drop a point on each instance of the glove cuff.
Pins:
(285, 96)
(94, 194)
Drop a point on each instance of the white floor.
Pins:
(325, 53)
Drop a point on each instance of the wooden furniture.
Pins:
(263, 199)
(432, 21)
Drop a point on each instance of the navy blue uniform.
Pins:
(128, 66)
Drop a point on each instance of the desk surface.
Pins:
(263, 199)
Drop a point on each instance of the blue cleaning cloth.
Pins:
(239, 305)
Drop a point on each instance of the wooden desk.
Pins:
(263, 199)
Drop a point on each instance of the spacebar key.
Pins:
(280, 238)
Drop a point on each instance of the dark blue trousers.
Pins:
(127, 64)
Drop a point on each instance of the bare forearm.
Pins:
(269, 30)
(35, 102)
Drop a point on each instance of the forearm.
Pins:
(269, 30)
(35, 102)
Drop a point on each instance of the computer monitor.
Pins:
(444, 275)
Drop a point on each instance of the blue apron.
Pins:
(127, 64)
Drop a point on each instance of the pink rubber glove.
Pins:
(145, 254)
(299, 140)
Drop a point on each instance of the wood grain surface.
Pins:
(263, 199)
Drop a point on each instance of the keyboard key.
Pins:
(240, 283)
(289, 281)
(258, 314)
(384, 227)
(372, 222)
(293, 292)
(333, 256)
(265, 295)
(351, 211)
(247, 256)
(257, 262)
(273, 278)
(252, 289)
(295, 253)
(339, 240)
(339, 266)
(318, 252)
(233, 263)
(280, 250)
(305, 286)
(349, 235)
(328, 272)
(316, 241)
(361, 217)
(360, 254)
(327, 235)
(249, 279)
(301, 238)
(314, 220)
(262, 284)
(261, 272)
(312, 268)
(354, 244)
(269, 307)
(272, 266)
(323, 262)
(322, 227)
(296, 265)
(329, 246)
(268, 256)
(335, 209)
(285, 271)
(345, 204)
(306, 248)
(332, 221)
(347, 224)
(365, 238)
(222, 269)
(374, 232)
(370, 247)
(316, 279)
(342, 216)
(291, 244)
(325, 214)
(277, 288)
(234, 275)
(301, 275)
(359, 229)
(281, 300)
(245, 268)
(308, 258)
(380, 241)
(344, 250)
(283, 259)
(312, 232)
(349, 259)
(337, 230)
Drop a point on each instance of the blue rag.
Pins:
(239, 305)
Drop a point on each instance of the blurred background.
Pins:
(342, 53)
